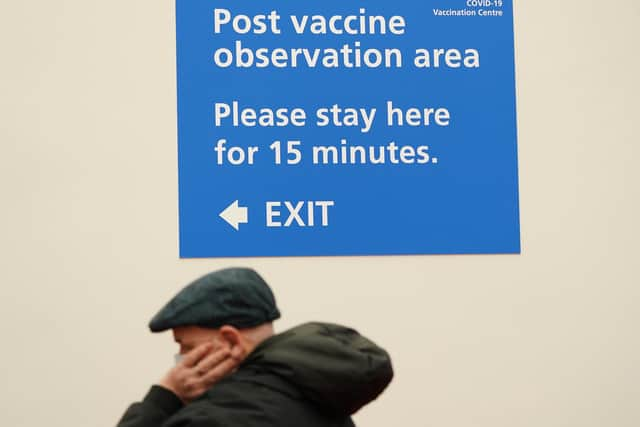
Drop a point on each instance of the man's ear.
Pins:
(235, 340)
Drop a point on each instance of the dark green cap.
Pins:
(235, 296)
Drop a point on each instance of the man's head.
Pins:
(239, 342)
(233, 308)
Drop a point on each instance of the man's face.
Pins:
(189, 337)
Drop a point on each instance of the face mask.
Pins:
(178, 358)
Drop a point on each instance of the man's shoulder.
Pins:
(240, 393)
(230, 403)
(198, 414)
(250, 383)
(249, 398)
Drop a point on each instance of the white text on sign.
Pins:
(301, 214)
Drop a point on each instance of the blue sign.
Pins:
(346, 128)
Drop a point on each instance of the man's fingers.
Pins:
(220, 370)
(238, 352)
(194, 356)
(211, 360)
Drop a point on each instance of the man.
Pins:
(233, 371)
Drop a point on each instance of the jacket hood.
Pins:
(333, 366)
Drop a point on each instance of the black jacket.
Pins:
(314, 375)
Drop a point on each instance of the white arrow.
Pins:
(235, 215)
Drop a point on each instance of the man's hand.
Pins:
(198, 371)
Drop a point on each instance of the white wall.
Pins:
(89, 233)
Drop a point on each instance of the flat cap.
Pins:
(234, 296)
